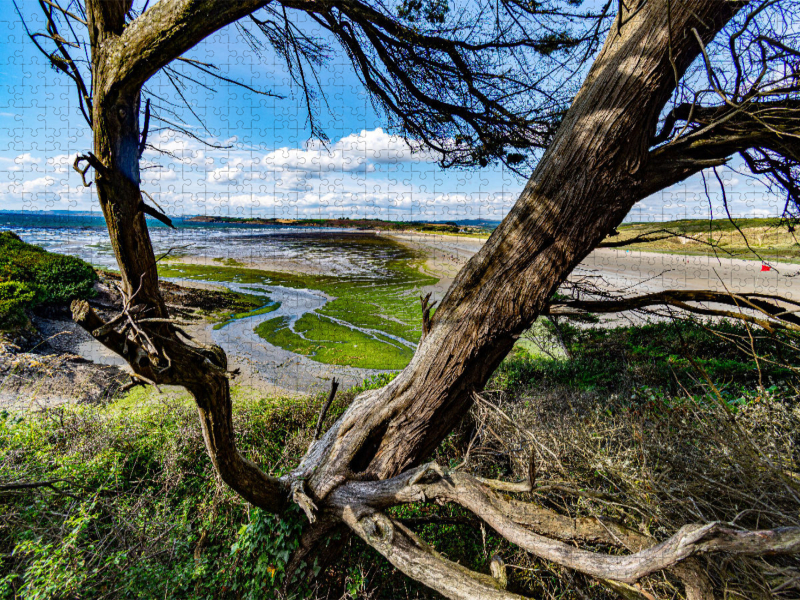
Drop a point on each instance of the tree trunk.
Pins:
(596, 169)
(155, 351)
(587, 181)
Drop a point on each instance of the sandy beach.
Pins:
(634, 272)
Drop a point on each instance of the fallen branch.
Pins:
(777, 316)
(407, 552)
(431, 483)
(32, 485)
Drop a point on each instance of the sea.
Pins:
(84, 234)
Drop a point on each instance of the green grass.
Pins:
(143, 494)
(620, 360)
(389, 305)
(138, 511)
(767, 239)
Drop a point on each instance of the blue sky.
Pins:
(271, 168)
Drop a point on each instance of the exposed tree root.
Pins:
(359, 505)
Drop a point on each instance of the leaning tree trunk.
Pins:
(157, 350)
(595, 170)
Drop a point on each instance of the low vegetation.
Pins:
(650, 427)
(751, 239)
(474, 228)
(30, 276)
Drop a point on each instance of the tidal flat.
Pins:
(354, 303)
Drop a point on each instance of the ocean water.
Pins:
(325, 250)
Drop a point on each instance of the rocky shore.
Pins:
(50, 360)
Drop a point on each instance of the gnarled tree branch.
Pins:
(771, 312)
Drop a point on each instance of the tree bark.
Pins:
(599, 165)
(587, 181)
(155, 351)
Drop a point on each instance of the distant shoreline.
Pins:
(371, 225)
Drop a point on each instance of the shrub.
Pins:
(14, 297)
(34, 276)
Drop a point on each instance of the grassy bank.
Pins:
(750, 239)
(131, 507)
(31, 276)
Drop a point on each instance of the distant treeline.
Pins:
(345, 223)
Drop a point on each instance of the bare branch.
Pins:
(142, 48)
(325, 407)
(407, 552)
(771, 313)
(65, 12)
(427, 307)
(425, 483)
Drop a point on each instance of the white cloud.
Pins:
(380, 147)
(32, 186)
(61, 163)
(24, 160)
(234, 169)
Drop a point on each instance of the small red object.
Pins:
(766, 268)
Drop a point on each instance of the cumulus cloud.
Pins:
(364, 174)
(61, 163)
(32, 186)
(23, 162)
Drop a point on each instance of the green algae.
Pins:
(388, 304)
(328, 342)
(272, 307)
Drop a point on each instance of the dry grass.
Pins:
(767, 239)
(653, 464)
